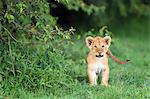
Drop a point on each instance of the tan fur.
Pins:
(97, 59)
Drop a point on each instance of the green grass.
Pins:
(53, 75)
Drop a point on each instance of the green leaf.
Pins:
(78, 37)
(101, 31)
(9, 17)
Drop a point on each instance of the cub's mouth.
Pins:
(99, 55)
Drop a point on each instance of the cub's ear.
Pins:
(107, 40)
(89, 41)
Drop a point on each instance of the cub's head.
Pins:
(98, 45)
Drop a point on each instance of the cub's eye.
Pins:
(103, 46)
(95, 46)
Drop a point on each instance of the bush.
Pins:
(34, 68)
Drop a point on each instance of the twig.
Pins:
(10, 34)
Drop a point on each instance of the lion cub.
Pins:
(97, 59)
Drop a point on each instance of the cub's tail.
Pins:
(116, 59)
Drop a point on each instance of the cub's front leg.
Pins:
(105, 76)
(92, 77)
